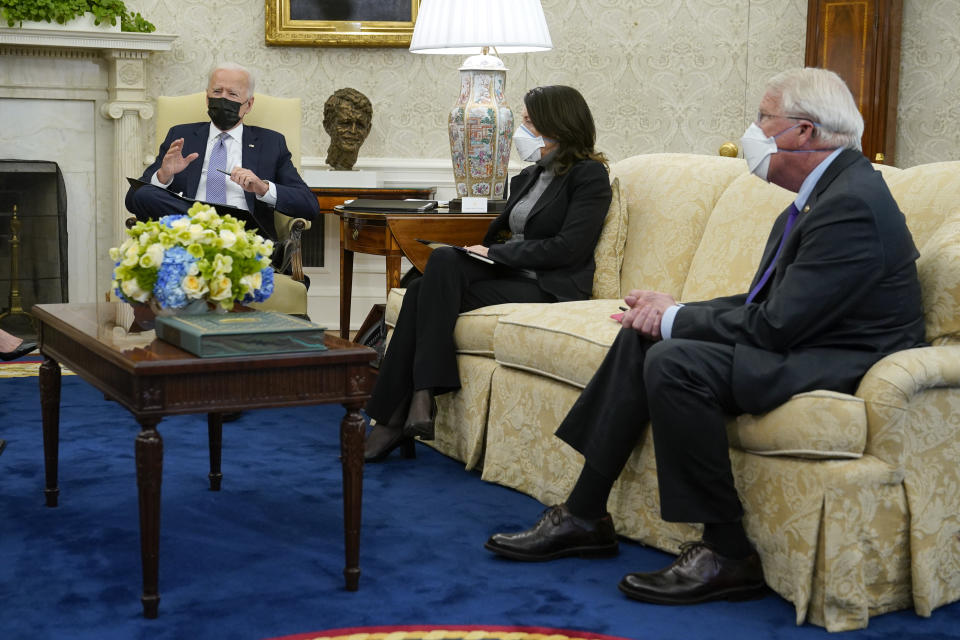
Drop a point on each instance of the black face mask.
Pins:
(225, 114)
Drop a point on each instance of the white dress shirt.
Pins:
(235, 194)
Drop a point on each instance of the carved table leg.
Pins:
(215, 433)
(346, 290)
(149, 456)
(351, 455)
(50, 409)
(393, 272)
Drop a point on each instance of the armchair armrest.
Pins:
(290, 231)
(910, 396)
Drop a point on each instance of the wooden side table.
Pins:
(394, 235)
(329, 197)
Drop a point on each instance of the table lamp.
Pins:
(481, 123)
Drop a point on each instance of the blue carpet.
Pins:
(264, 557)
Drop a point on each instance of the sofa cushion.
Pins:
(473, 332)
(926, 194)
(939, 271)
(816, 424)
(733, 240)
(669, 198)
(565, 341)
(608, 254)
(475, 329)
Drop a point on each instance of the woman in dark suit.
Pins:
(542, 245)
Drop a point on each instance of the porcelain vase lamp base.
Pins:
(481, 129)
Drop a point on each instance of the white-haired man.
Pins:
(225, 162)
(836, 291)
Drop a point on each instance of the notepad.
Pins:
(433, 245)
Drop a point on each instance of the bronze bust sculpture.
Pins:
(347, 116)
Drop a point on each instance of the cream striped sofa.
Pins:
(853, 501)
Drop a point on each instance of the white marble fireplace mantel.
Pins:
(77, 98)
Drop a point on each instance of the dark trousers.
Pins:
(683, 389)
(422, 353)
(151, 203)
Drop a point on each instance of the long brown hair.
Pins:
(560, 113)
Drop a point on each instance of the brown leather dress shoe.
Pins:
(558, 534)
(700, 574)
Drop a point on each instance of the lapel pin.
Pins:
(250, 145)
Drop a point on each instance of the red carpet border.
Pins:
(448, 632)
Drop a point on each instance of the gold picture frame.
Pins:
(295, 23)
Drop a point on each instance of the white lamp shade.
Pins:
(466, 26)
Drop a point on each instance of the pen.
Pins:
(226, 173)
(622, 308)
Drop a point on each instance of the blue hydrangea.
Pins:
(168, 221)
(176, 264)
(266, 287)
(117, 290)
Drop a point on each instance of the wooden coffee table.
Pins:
(153, 379)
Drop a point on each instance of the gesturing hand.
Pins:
(249, 181)
(645, 312)
(174, 162)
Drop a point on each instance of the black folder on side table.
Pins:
(389, 206)
(433, 245)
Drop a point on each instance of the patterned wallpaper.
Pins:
(659, 75)
(928, 113)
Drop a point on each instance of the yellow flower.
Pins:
(131, 257)
(221, 288)
(222, 263)
(152, 257)
(134, 292)
(227, 238)
(251, 282)
(194, 286)
(201, 213)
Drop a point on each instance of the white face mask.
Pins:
(758, 147)
(528, 145)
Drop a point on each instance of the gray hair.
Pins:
(233, 66)
(822, 96)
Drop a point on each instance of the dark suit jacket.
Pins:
(561, 231)
(844, 294)
(264, 152)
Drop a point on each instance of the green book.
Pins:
(211, 335)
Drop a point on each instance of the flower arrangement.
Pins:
(180, 260)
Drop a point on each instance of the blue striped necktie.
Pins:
(773, 263)
(216, 181)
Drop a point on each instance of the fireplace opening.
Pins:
(33, 241)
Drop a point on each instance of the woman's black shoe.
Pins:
(423, 413)
(19, 352)
(383, 439)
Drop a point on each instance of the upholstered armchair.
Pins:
(281, 115)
